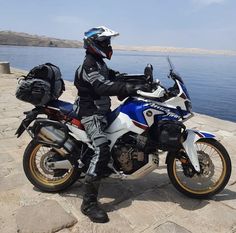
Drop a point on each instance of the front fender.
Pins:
(190, 146)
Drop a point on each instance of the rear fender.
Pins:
(190, 146)
(30, 117)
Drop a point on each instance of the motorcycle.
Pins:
(141, 130)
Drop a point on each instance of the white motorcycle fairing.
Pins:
(190, 146)
(121, 125)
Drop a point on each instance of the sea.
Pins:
(210, 79)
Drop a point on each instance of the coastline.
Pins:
(152, 49)
(161, 205)
(12, 38)
(162, 49)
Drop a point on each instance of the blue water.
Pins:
(211, 80)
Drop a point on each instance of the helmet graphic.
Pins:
(98, 40)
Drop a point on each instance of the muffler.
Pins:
(56, 137)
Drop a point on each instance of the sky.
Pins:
(208, 24)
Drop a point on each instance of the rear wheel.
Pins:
(215, 170)
(40, 175)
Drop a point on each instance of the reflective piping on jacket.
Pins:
(90, 78)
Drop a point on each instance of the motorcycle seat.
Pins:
(65, 107)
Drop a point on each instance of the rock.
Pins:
(45, 217)
(172, 227)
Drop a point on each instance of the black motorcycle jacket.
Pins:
(95, 82)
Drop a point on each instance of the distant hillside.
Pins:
(24, 39)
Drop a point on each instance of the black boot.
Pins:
(90, 205)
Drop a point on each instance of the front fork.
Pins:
(190, 145)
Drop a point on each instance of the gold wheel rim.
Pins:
(216, 184)
(39, 177)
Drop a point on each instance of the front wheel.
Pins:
(40, 175)
(215, 170)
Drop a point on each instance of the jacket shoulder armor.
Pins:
(90, 64)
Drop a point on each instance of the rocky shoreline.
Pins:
(150, 204)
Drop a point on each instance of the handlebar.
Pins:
(157, 93)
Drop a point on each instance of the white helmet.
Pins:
(98, 40)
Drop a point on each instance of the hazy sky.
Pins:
(180, 23)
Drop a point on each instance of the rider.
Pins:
(95, 83)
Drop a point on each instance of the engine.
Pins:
(129, 153)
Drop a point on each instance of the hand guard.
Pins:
(160, 91)
(157, 93)
(132, 90)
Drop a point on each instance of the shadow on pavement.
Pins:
(117, 194)
(225, 195)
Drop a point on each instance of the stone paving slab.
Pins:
(45, 217)
(150, 204)
(168, 227)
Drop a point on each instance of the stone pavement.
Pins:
(150, 204)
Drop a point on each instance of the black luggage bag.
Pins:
(41, 85)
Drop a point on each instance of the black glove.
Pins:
(116, 74)
(133, 88)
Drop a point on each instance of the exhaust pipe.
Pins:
(56, 136)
